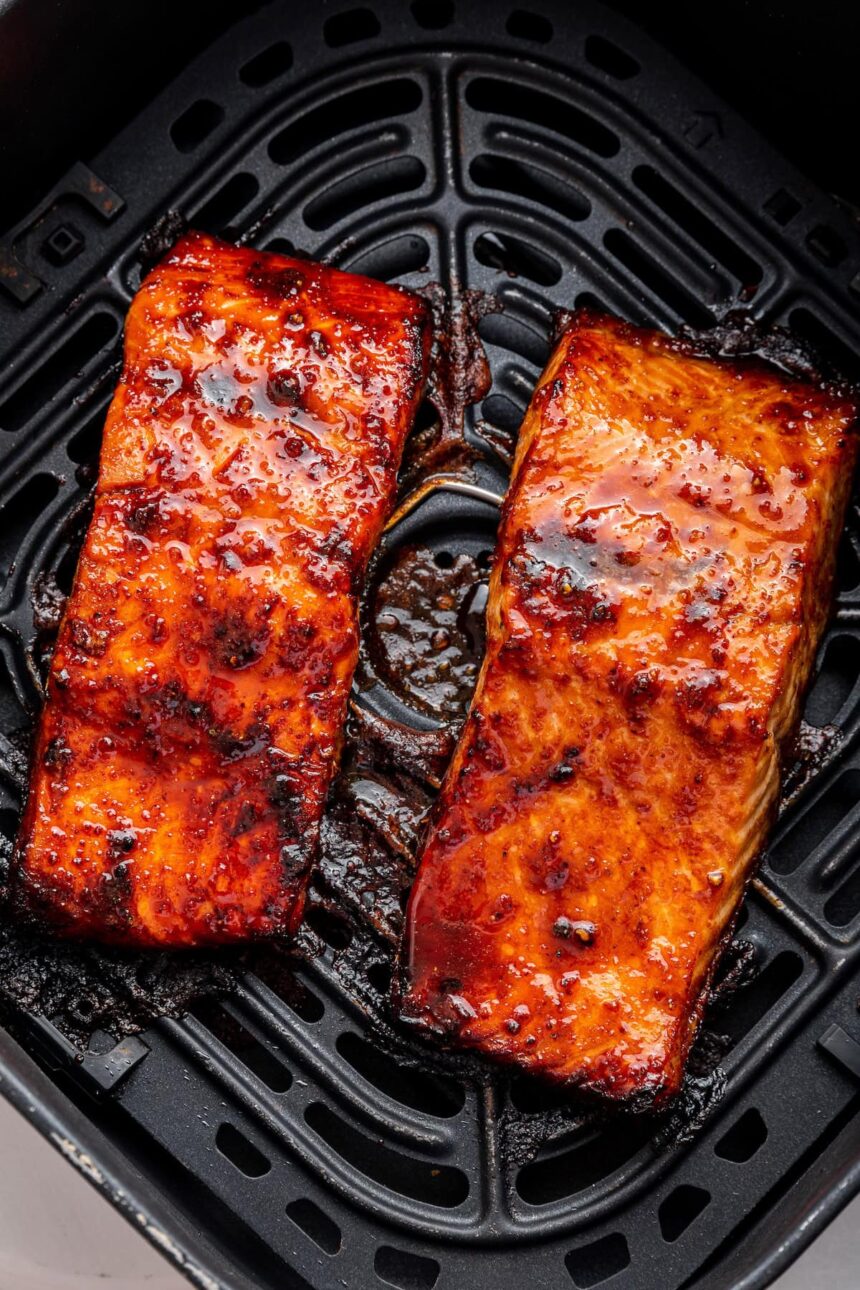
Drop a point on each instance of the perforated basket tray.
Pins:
(549, 157)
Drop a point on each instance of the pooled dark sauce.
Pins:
(423, 635)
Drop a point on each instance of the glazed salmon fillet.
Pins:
(662, 578)
(201, 675)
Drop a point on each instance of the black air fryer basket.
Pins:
(280, 1135)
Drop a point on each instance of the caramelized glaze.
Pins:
(662, 577)
(200, 678)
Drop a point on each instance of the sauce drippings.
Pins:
(423, 637)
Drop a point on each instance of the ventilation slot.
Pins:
(591, 1265)
(817, 823)
(509, 333)
(367, 186)
(85, 444)
(303, 1002)
(596, 1155)
(760, 1207)
(426, 417)
(69, 360)
(19, 515)
(680, 1209)
(419, 1179)
(847, 563)
(379, 975)
(348, 111)
(432, 1094)
(682, 212)
(511, 255)
(189, 130)
(743, 1139)
(827, 245)
(12, 715)
(844, 905)
(433, 15)
(782, 207)
(347, 28)
(250, 1052)
(588, 300)
(321, 1229)
(529, 26)
(404, 1270)
(765, 990)
(656, 279)
(835, 682)
(809, 328)
(267, 66)
(502, 413)
(281, 246)
(278, 976)
(500, 98)
(535, 1097)
(223, 206)
(606, 56)
(64, 574)
(394, 259)
(329, 926)
(530, 184)
(241, 1152)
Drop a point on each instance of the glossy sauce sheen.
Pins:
(200, 679)
(662, 577)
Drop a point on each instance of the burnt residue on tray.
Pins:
(375, 814)
(14, 769)
(811, 748)
(84, 988)
(459, 377)
(422, 639)
(739, 336)
(160, 238)
(49, 601)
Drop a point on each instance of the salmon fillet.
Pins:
(662, 578)
(201, 675)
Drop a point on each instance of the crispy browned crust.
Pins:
(200, 679)
(662, 577)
